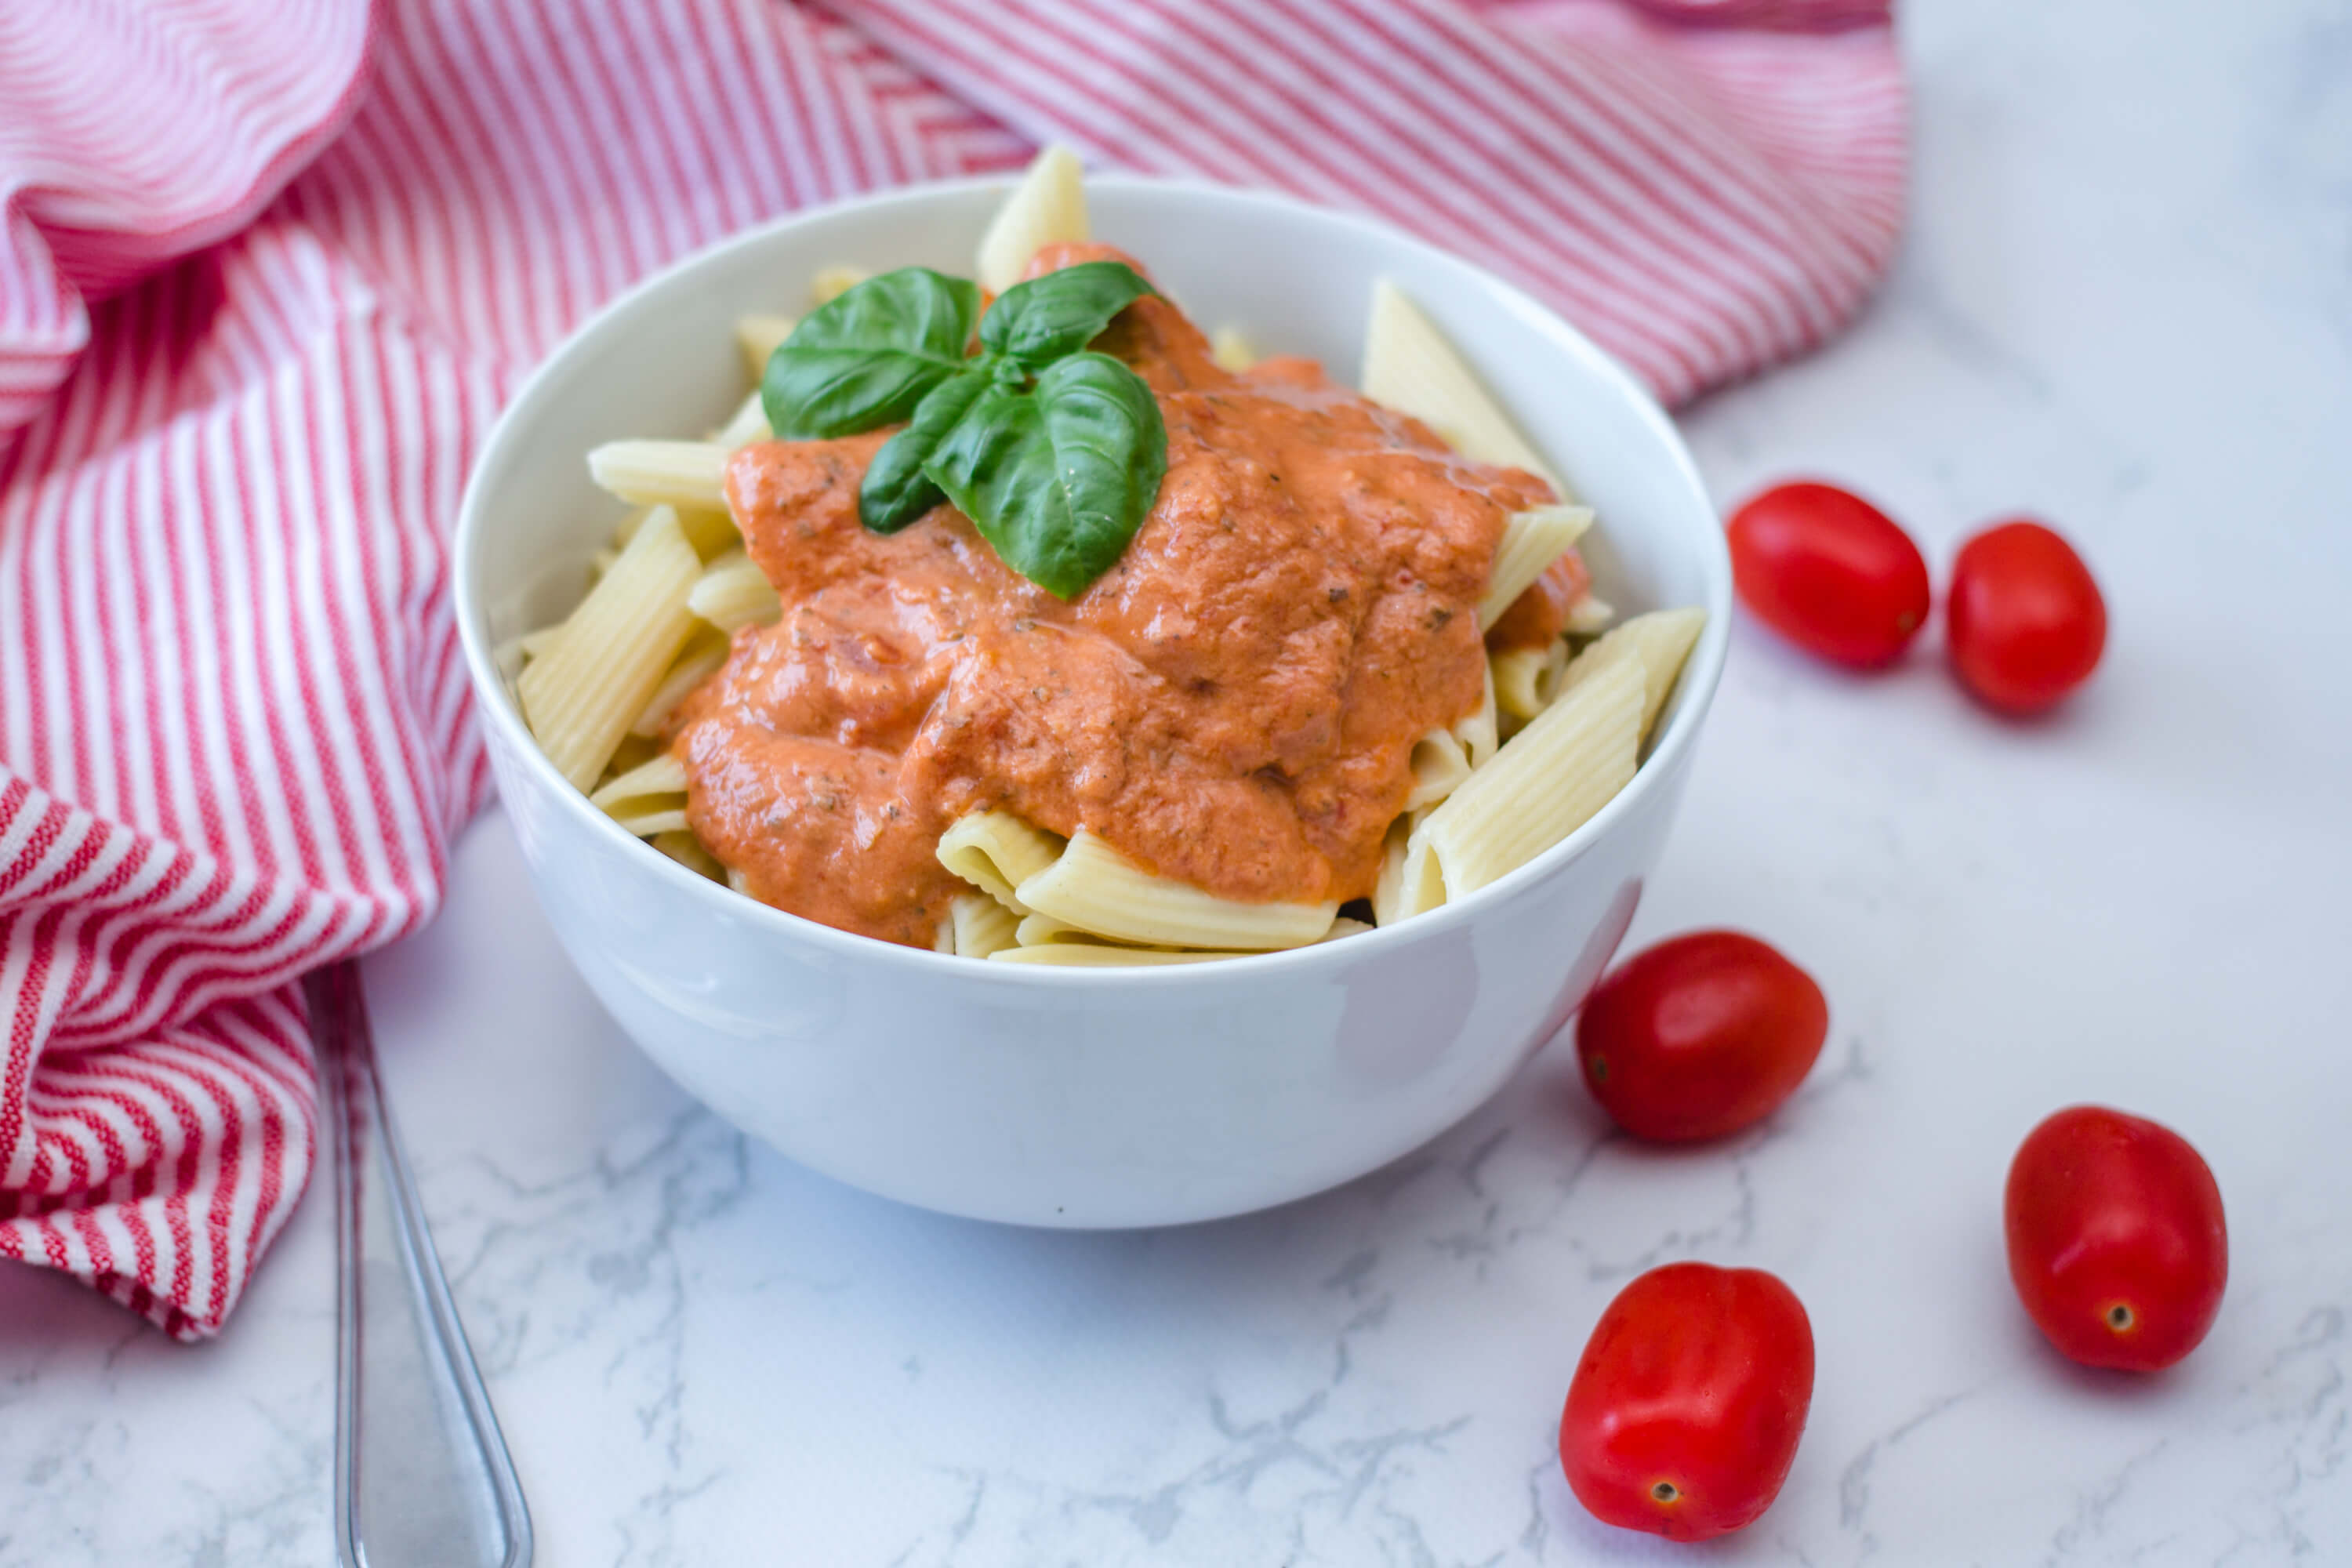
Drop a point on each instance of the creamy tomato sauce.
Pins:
(1233, 704)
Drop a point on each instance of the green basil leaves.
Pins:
(1054, 453)
(869, 355)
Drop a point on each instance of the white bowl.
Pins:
(1069, 1096)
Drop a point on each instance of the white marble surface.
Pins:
(2126, 303)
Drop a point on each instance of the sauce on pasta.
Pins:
(1233, 704)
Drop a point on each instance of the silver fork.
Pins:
(422, 1477)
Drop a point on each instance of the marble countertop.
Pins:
(2126, 304)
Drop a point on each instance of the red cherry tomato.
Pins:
(1700, 1036)
(1684, 1412)
(2027, 623)
(1830, 572)
(2116, 1238)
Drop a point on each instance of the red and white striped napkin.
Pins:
(268, 268)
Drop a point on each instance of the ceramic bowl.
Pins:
(1063, 1096)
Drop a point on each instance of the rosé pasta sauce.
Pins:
(1233, 704)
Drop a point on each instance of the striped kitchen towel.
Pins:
(268, 268)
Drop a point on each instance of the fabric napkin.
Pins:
(268, 268)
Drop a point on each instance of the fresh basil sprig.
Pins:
(1054, 453)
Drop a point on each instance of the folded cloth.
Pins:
(234, 731)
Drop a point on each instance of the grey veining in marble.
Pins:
(2126, 304)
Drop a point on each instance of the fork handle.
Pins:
(423, 1478)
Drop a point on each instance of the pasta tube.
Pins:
(831, 282)
(979, 926)
(748, 423)
(686, 850)
(1659, 641)
(1553, 777)
(732, 593)
(1086, 955)
(1480, 734)
(1096, 888)
(581, 695)
(1231, 349)
(996, 851)
(1532, 540)
(698, 663)
(1439, 765)
(1408, 366)
(663, 473)
(1526, 678)
(758, 336)
(1048, 205)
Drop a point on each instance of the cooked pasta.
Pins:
(1231, 348)
(831, 282)
(1545, 784)
(1409, 367)
(1086, 955)
(1555, 735)
(731, 593)
(1532, 540)
(1093, 886)
(1659, 641)
(1049, 204)
(996, 851)
(581, 695)
(663, 473)
(757, 337)
(1527, 679)
(748, 423)
(705, 652)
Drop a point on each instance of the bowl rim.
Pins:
(1701, 673)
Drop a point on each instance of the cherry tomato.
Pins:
(1830, 572)
(1684, 1415)
(1700, 1036)
(2116, 1238)
(2027, 623)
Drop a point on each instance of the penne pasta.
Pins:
(1532, 540)
(979, 926)
(1589, 616)
(1659, 641)
(663, 775)
(1086, 955)
(1439, 765)
(1048, 205)
(1231, 349)
(732, 593)
(996, 851)
(686, 850)
(649, 824)
(701, 660)
(1524, 678)
(711, 533)
(1553, 777)
(1345, 927)
(1388, 894)
(758, 336)
(663, 473)
(534, 644)
(581, 695)
(831, 282)
(748, 423)
(1096, 888)
(1480, 734)
(1408, 366)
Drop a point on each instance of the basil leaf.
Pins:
(1058, 314)
(1057, 479)
(895, 491)
(869, 355)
